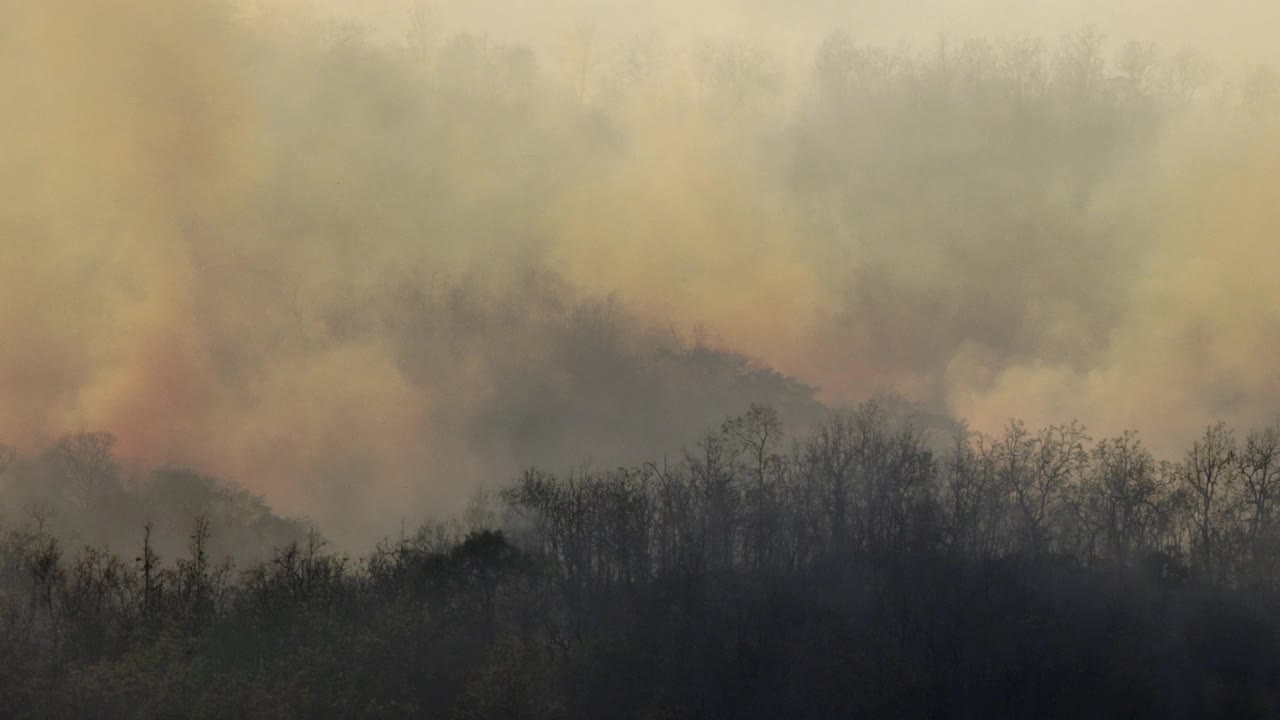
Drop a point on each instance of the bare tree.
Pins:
(7, 457)
(423, 32)
(87, 465)
(150, 561)
(830, 461)
(972, 497)
(1122, 489)
(758, 434)
(716, 487)
(1207, 474)
(1037, 471)
(1258, 466)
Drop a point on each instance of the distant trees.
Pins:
(7, 456)
(747, 498)
(863, 483)
(77, 491)
(86, 465)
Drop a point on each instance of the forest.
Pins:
(496, 363)
(865, 569)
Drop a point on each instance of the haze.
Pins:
(364, 258)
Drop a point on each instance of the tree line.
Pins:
(866, 568)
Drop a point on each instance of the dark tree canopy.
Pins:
(864, 569)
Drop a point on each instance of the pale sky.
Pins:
(1232, 31)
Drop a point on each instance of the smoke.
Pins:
(361, 261)
(1196, 342)
(128, 124)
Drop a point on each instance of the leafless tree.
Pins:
(1207, 474)
(1122, 491)
(87, 466)
(1037, 471)
(1258, 467)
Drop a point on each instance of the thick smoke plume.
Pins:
(362, 260)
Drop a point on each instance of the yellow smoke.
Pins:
(206, 218)
(1202, 335)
